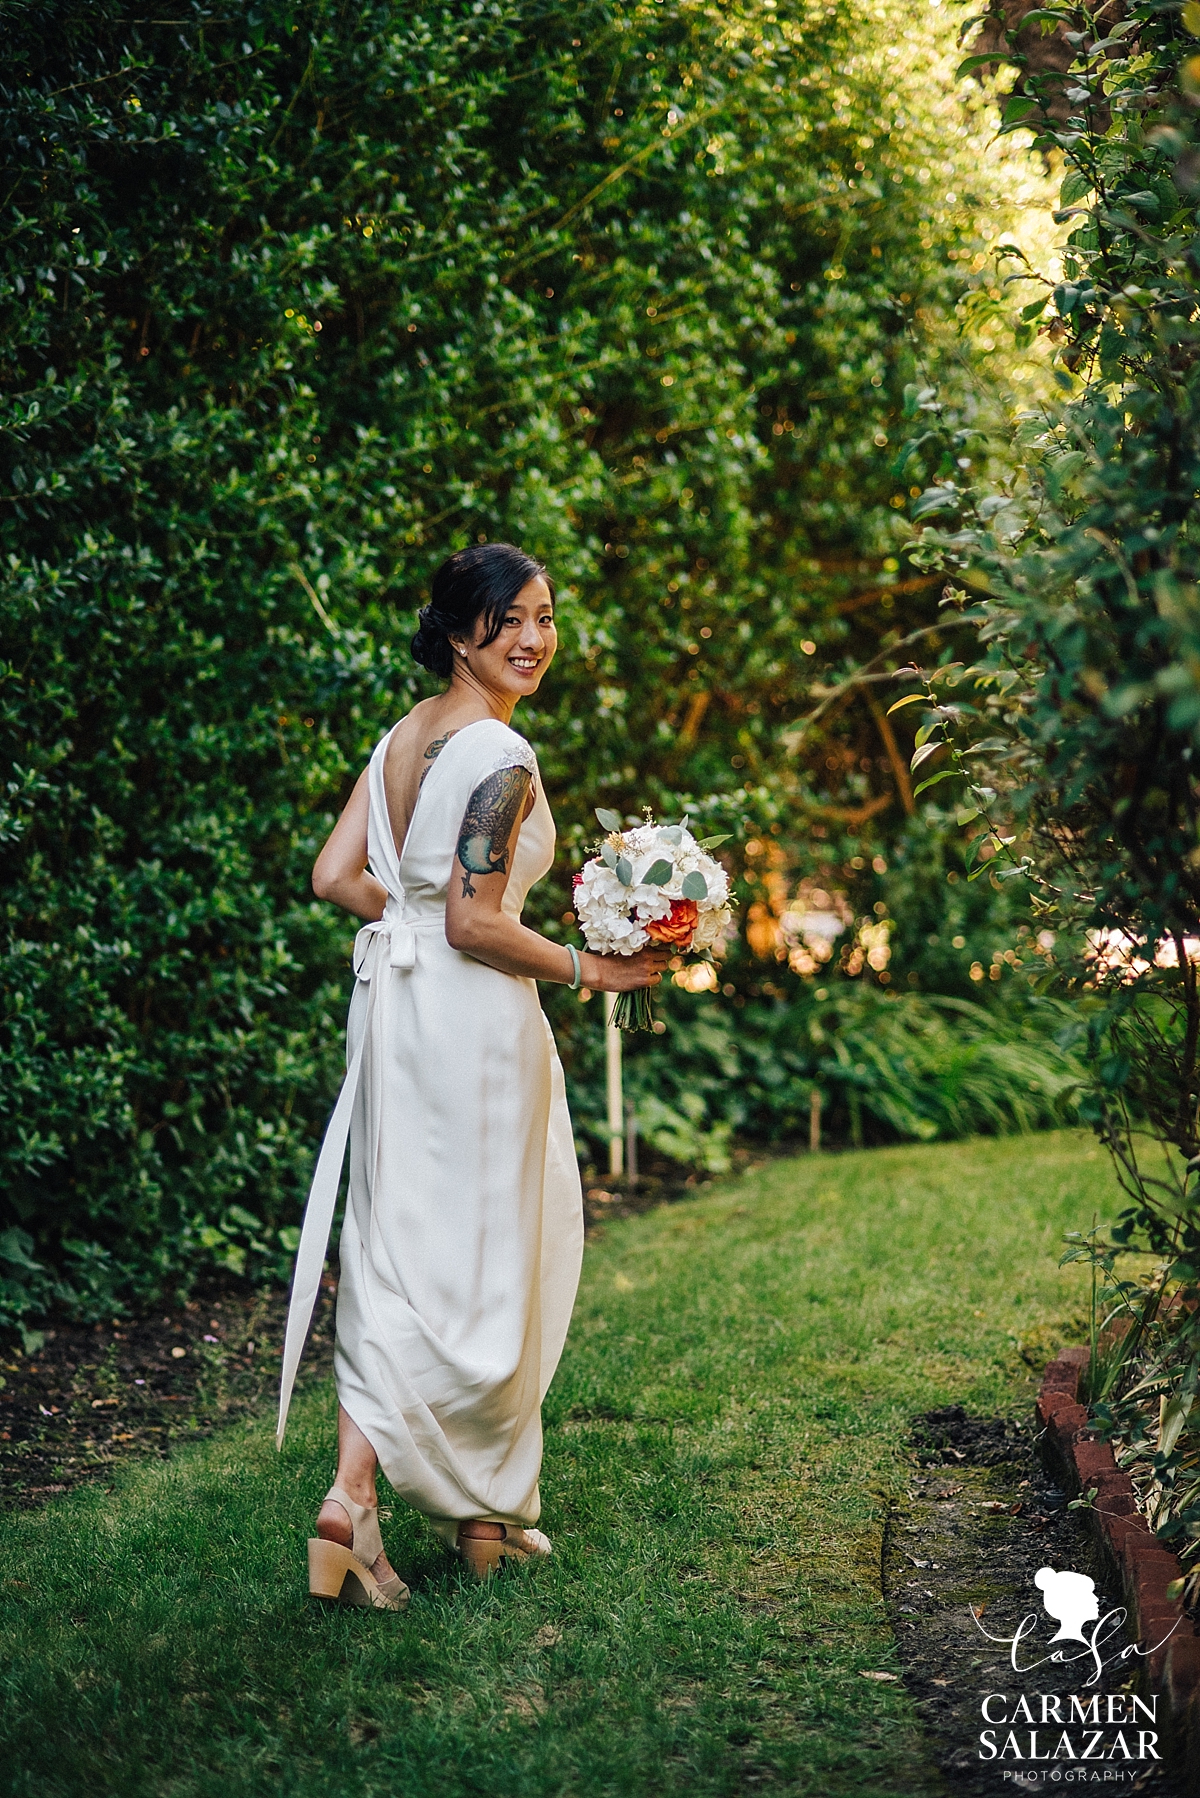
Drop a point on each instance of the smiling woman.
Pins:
(464, 1229)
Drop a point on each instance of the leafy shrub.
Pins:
(887, 1066)
(1084, 709)
(297, 299)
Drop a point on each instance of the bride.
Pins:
(463, 1234)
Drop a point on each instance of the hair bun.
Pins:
(431, 644)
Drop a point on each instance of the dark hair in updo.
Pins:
(478, 582)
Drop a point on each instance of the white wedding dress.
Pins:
(463, 1236)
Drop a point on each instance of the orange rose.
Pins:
(679, 925)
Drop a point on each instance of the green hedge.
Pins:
(295, 300)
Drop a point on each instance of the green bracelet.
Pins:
(573, 952)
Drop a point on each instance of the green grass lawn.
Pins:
(722, 1439)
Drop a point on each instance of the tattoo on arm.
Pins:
(492, 810)
(432, 752)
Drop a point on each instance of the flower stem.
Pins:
(634, 1011)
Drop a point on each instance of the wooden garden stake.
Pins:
(612, 1058)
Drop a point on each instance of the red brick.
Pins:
(1182, 1672)
(1157, 1634)
(1155, 1615)
(1148, 1570)
(1158, 1620)
(1119, 1530)
(1139, 1551)
(1110, 1528)
(1156, 1660)
(1155, 1561)
(1068, 1363)
(1069, 1422)
(1115, 1503)
(1115, 1496)
(1054, 1398)
(1093, 1460)
(1051, 1401)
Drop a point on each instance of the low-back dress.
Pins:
(463, 1235)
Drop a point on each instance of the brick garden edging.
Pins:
(1144, 1566)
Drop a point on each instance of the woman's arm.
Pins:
(475, 923)
(340, 872)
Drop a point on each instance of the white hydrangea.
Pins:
(614, 915)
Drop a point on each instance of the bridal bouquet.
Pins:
(653, 884)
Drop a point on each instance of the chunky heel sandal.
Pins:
(344, 1575)
(482, 1555)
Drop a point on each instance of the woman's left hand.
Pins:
(625, 973)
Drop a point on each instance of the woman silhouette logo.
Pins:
(1070, 1599)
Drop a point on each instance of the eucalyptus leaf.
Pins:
(624, 871)
(659, 874)
(673, 834)
(694, 885)
(713, 842)
(609, 820)
(608, 855)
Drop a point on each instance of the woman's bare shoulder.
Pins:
(417, 731)
(423, 717)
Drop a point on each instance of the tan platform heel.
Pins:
(482, 1555)
(344, 1575)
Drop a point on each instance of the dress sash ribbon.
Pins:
(399, 935)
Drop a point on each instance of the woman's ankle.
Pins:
(363, 1492)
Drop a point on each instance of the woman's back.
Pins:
(412, 749)
(416, 867)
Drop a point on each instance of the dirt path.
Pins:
(95, 1397)
(981, 1517)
